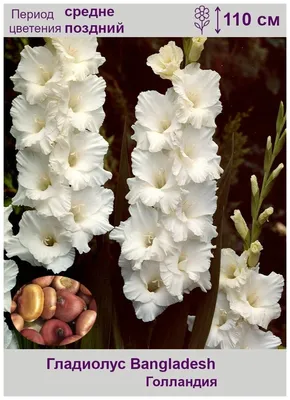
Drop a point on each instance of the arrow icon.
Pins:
(217, 10)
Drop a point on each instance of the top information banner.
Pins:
(146, 20)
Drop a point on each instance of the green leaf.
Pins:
(206, 306)
(121, 204)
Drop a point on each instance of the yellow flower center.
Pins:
(252, 299)
(154, 285)
(49, 241)
(193, 97)
(74, 102)
(46, 75)
(186, 208)
(231, 273)
(149, 239)
(39, 124)
(78, 212)
(181, 259)
(44, 183)
(72, 159)
(160, 178)
(164, 125)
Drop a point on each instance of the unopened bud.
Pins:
(269, 143)
(197, 45)
(264, 216)
(254, 253)
(240, 224)
(277, 171)
(254, 185)
(280, 228)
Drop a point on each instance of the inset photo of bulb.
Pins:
(53, 311)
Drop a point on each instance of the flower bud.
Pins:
(240, 224)
(263, 217)
(254, 185)
(197, 45)
(277, 171)
(269, 143)
(254, 253)
(167, 61)
(280, 228)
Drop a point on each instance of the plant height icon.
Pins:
(201, 13)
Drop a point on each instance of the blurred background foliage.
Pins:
(253, 82)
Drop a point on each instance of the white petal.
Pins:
(7, 301)
(147, 311)
(62, 263)
(15, 248)
(80, 240)
(135, 289)
(10, 272)
(10, 341)
(254, 338)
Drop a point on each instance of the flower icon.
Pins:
(201, 13)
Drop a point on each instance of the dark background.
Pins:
(253, 82)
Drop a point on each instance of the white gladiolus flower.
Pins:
(167, 61)
(195, 156)
(10, 341)
(46, 240)
(154, 184)
(193, 217)
(7, 228)
(156, 125)
(79, 158)
(33, 125)
(254, 338)
(80, 104)
(234, 270)
(172, 194)
(224, 332)
(147, 291)
(257, 300)
(47, 191)
(187, 268)
(10, 274)
(37, 73)
(88, 216)
(142, 237)
(198, 95)
(78, 56)
(55, 123)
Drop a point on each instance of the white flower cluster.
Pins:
(10, 274)
(247, 301)
(56, 121)
(166, 242)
